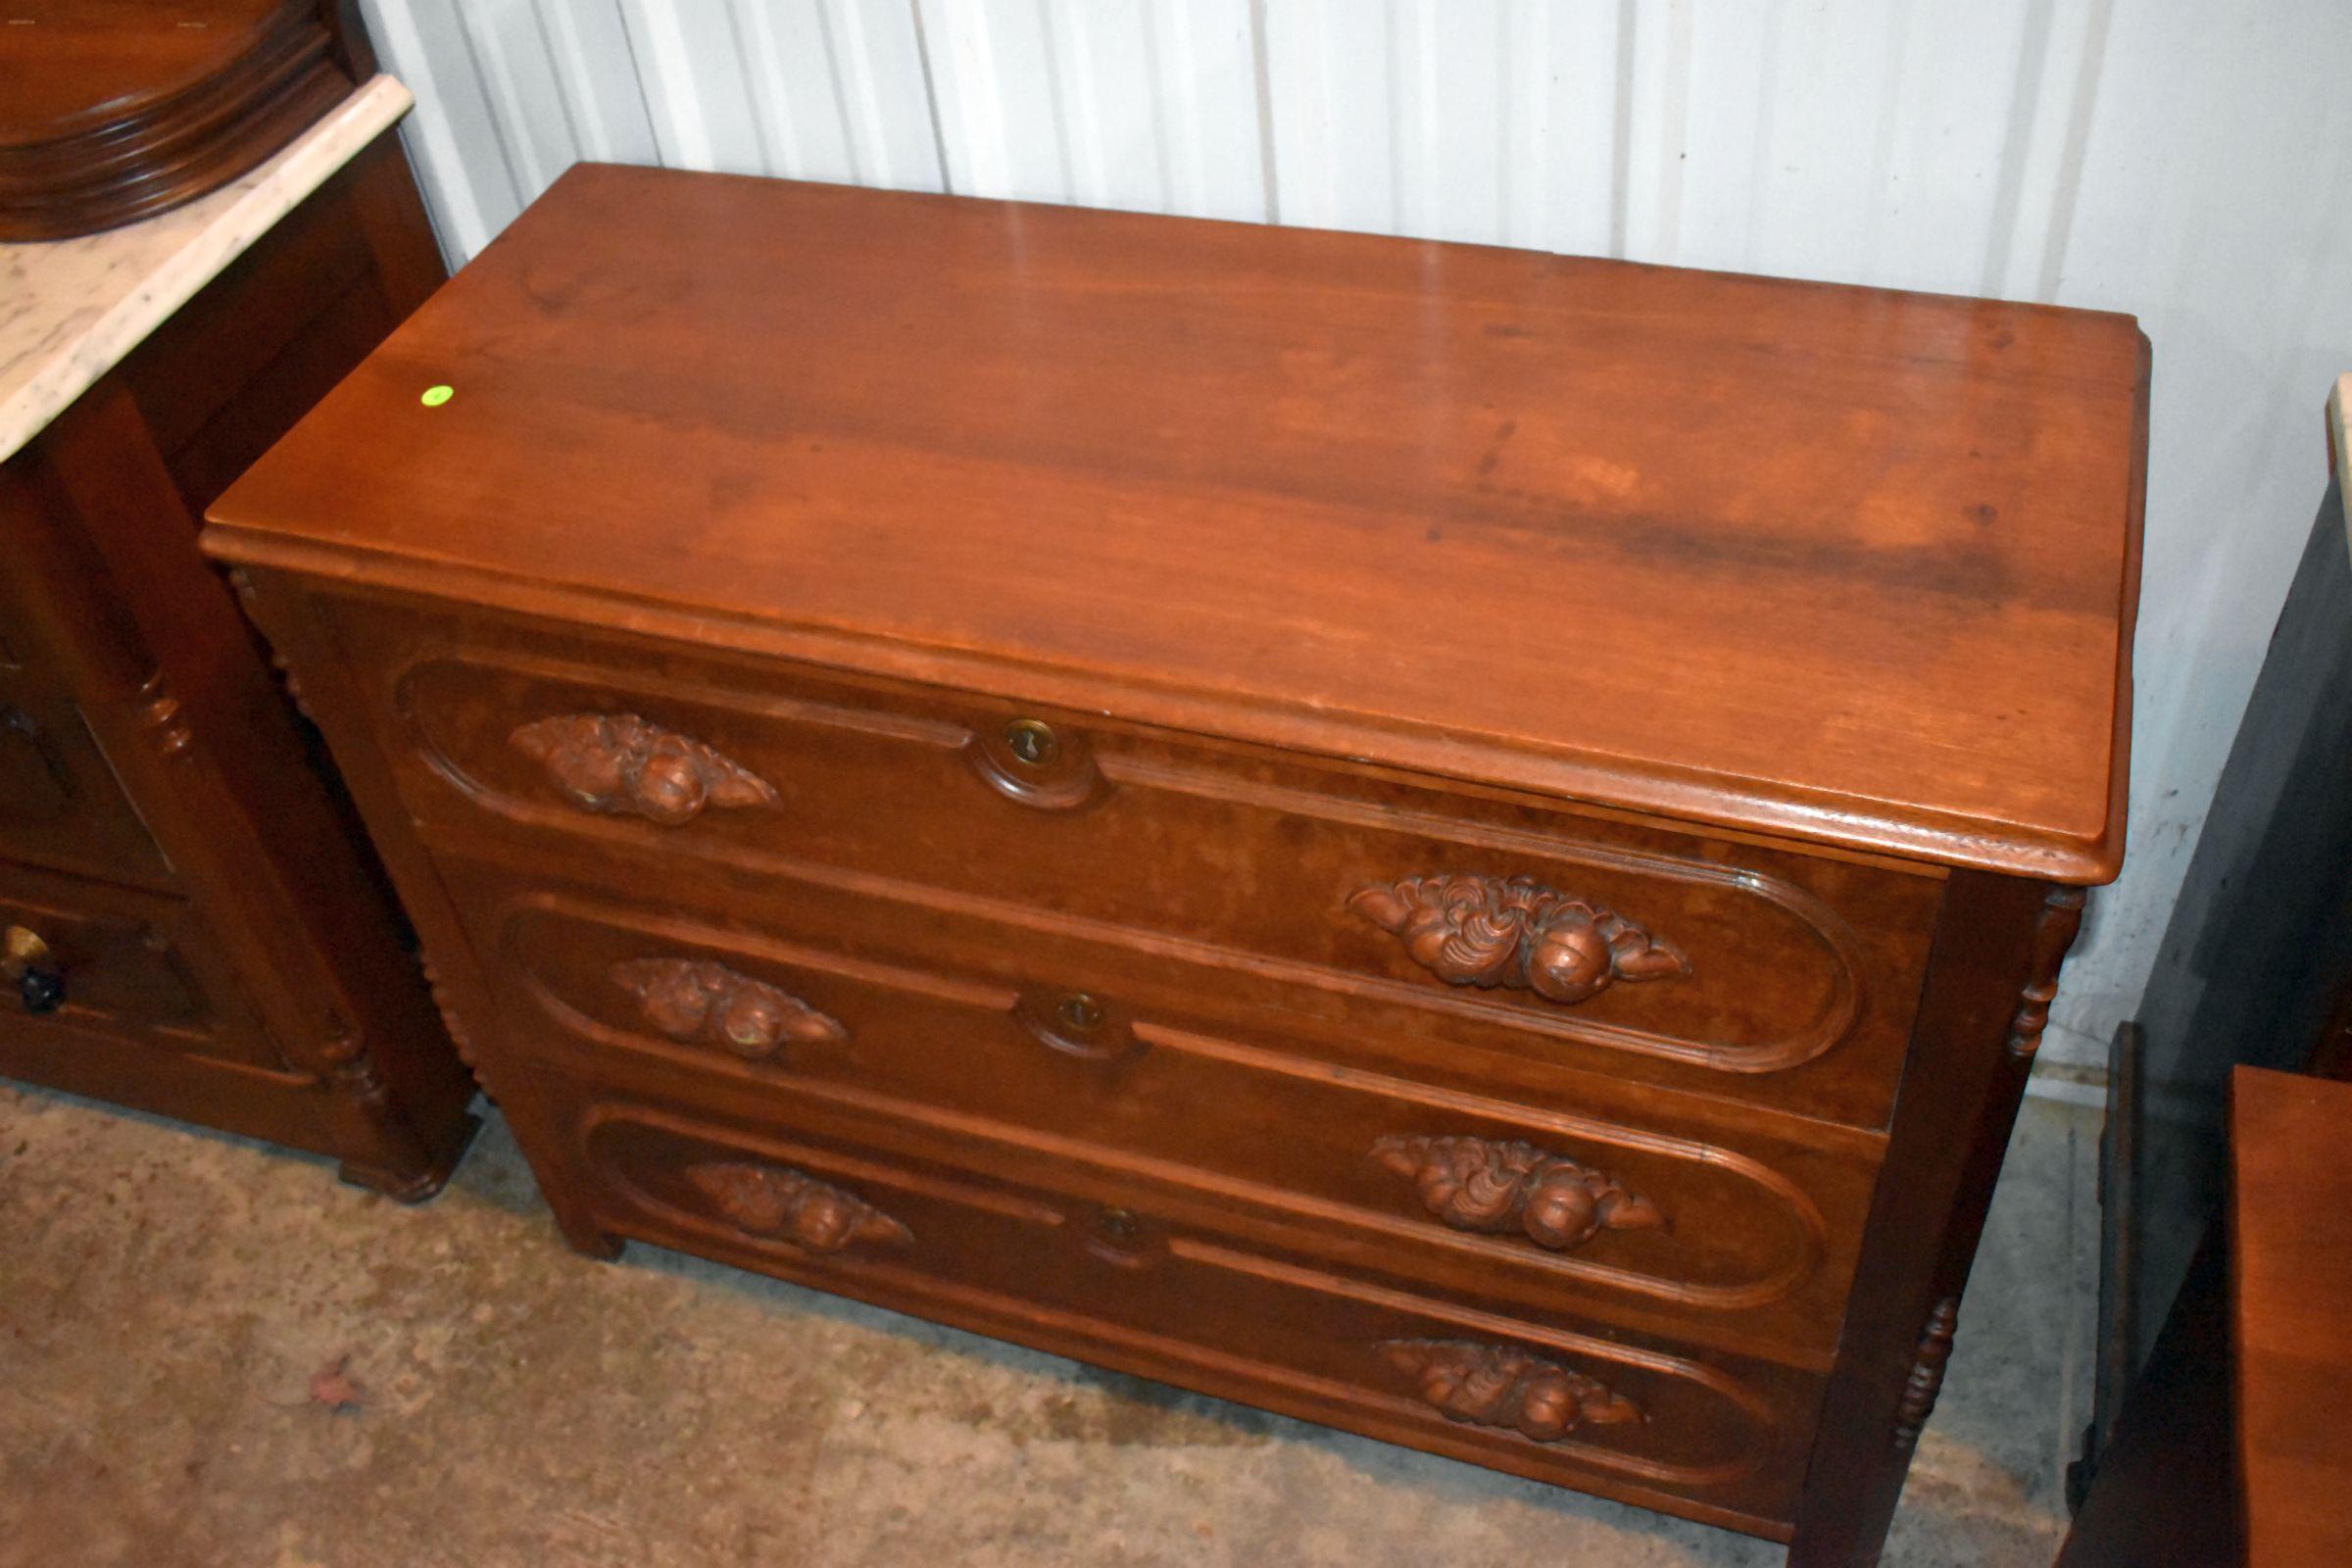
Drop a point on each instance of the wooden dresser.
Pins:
(1463, 844)
(193, 922)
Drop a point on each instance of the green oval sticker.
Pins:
(435, 396)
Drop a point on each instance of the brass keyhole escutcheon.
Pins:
(1032, 742)
(1080, 1013)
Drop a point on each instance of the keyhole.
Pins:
(1032, 742)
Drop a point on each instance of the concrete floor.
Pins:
(167, 1294)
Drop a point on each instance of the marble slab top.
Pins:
(71, 310)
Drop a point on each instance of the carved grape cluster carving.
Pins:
(1502, 1386)
(794, 1206)
(687, 998)
(618, 762)
(1480, 1184)
(1497, 931)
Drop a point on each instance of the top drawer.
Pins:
(1688, 960)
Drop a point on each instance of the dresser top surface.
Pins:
(1839, 564)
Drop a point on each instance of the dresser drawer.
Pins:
(1624, 1207)
(1677, 958)
(1716, 1436)
(134, 966)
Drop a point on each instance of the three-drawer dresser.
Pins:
(1458, 843)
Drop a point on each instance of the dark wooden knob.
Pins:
(40, 986)
(41, 990)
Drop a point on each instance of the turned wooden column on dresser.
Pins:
(1463, 844)
(194, 924)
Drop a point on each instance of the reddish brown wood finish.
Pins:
(243, 966)
(1802, 970)
(919, 735)
(1838, 562)
(116, 109)
(953, 1034)
(1959, 1097)
(1053, 1258)
(2291, 1261)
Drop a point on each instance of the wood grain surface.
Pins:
(2292, 1295)
(1853, 566)
(1467, 845)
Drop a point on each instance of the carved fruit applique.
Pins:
(793, 1207)
(1480, 1184)
(618, 762)
(1502, 1385)
(688, 998)
(1493, 931)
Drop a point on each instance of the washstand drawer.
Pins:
(1687, 960)
(135, 966)
(1117, 1283)
(1617, 1202)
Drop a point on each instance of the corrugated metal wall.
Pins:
(2185, 161)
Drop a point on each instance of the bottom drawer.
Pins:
(1711, 1436)
(134, 966)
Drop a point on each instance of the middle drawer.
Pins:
(1650, 1211)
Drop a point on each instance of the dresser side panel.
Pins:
(1998, 947)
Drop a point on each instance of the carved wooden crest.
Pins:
(689, 999)
(1502, 1385)
(792, 1205)
(1514, 931)
(1480, 1183)
(618, 762)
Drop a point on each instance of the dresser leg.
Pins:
(590, 1242)
(415, 1186)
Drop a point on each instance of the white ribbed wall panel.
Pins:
(2186, 163)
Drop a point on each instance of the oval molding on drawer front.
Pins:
(1703, 1426)
(540, 932)
(438, 694)
(762, 1189)
(1648, 1398)
(1743, 933)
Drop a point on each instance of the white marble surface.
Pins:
(70, 310)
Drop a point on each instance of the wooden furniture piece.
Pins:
(113, 110)
(2256, 964)
(1463, 844)
(194, 924)
(2290, 1277)
(2228, 1449)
